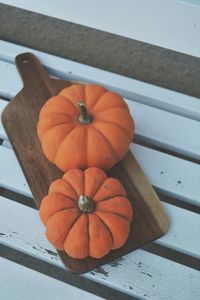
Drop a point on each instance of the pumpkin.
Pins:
(86, 213)
(85, 126)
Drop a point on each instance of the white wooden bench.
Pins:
(167, 146)
(17, 281)
(165, 120)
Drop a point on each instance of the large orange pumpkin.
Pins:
(86, 213)
(85, 126)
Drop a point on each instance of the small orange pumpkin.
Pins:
(86, 213)
(85, 126)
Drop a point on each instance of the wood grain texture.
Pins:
(20, 119)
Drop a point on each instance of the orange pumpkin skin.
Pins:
(90, 228)
(100, 139)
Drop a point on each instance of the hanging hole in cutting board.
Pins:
(25, 60)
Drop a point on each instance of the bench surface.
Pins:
(168, 149)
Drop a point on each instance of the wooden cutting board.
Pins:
(20, 119)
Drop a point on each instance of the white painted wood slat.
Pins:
(173, 176)
(139, 273)
(166, 130)
(11, 175)
(11, 82)
(130, 88)
(20, 283)
(183, 235)
(3, 104)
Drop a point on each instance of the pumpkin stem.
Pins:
(85, 204)
(84, 117)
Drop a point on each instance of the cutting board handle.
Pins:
(31, 71)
